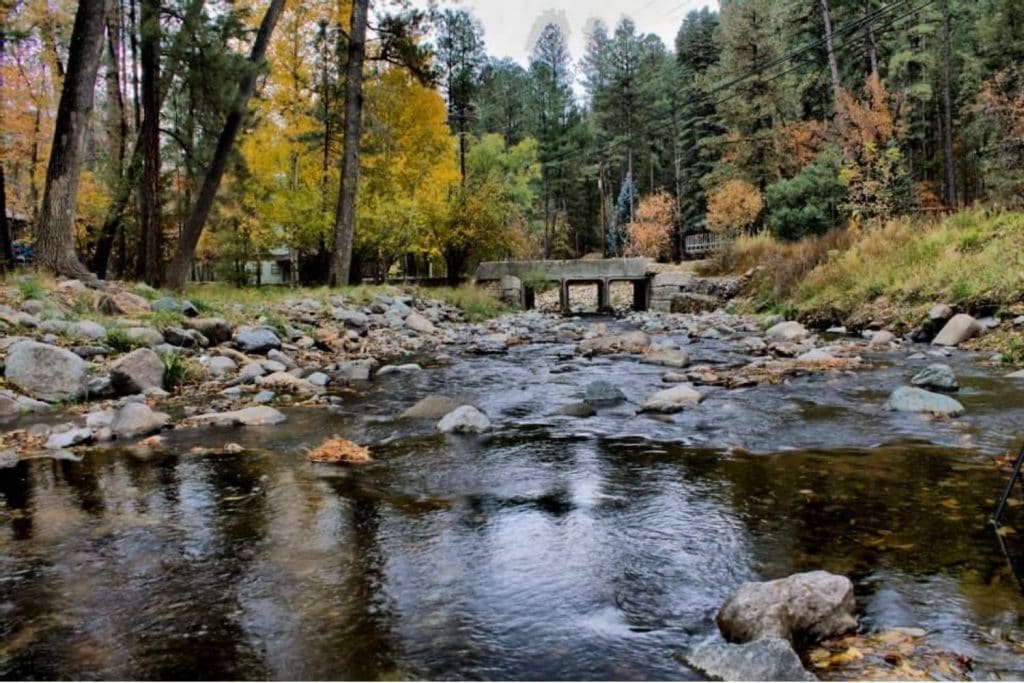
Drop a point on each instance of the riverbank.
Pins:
(890, 276)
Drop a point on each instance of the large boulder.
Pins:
(802, 608)
(673, 400)
(433, 407)
(137, 419)
(790, 331)
(137, 371)
(627, 342)
(144, 336)
(45, 372)
(417, 323)
(767, 659)
(89, 330)
(959, 329)
(256, 339)
(915, 400)
(464, 420)
(939, 377)
(217, 330)
(601, 392)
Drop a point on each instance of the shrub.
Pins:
(650, 233)
(734, 207)
(807, 204)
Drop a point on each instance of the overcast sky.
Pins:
(511, 26)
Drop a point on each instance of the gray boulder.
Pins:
(767, 659)
(217, 330)
(253, 416)
(89, 330)
(399, 369)
(144, 336)
(602, 393)
(464, 420)
(937, 376)
(137, 371)
(671, 358)
(673, 400)
(68, 438)
(356, 370)
(575, 410)
(137, 419)
(914, 400)
(220, 365)
(45, 372)
(959, 329)
(432, 407)
(417, 323)
(354, 320)
(802, 608)
(787, 331)
(256, 340)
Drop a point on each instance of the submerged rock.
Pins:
(673, 400)
(253, 416)
(45, 372)
(804, 608)
(938, 376)
(602, 392)
(433, 407)
(914, 400)
(575, 410)
(671, 358)
(464, 420)
(767, 659)
(628, 342)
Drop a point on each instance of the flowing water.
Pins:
(552, 548)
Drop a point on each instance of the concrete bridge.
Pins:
(520, 277)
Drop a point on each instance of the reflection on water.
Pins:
(554, 548)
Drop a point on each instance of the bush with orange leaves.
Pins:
(650, 233)
(734, 208)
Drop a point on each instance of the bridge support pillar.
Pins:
(563, 296)
(641, 295)
(604, 296)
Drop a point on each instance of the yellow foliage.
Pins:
(338, 450)
(650, 233)
(734, 207)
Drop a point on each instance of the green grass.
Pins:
(31, 288)
(176, 372)
(476, 303)
(162, 320)
(119, 341)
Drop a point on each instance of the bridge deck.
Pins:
(563, 271)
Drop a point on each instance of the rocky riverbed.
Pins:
(547, 497)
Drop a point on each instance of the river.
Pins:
(551, 548)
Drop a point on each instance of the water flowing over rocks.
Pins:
(432, 408)
(464, 420)
(254, 416)
(766, 659)
(673, 400)
(938, 377)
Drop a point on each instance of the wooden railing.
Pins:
(704, 243)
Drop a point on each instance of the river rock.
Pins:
(124, 303)
(882, 338)
(601, 392)
(282, 381)
(68, 438)
(914, 400)
(575, 410)
(671, 358)
(256, 340)
(137, 419)
(790, 331)
(32, 306)
(282, 358)
(766, 659)
(45, 372)
(628, 342)
(940, 313)
(398, 369)
(89, 330)
(177, 336)
(938, 376)
(433, 407)
(9, 407)
(219, 365)
(673, 400)
(464, 420)
(417, 323)
(144, 336)
(253, 416)
(753, 345)
(959, 329)
(217, 330)
(251, 371)
(816, 356)
(356, 370)
(802, 608)
(137, 371)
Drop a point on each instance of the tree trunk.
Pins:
(177, 273)
(872, 42)
(345, 217)
(117, 124)
(149, 194)
(947, 102)
(55, 236)
(833, 63)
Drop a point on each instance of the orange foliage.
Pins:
(734, 207)
(650, 233)
(868, 123)
(338, 450)
(800, 143)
